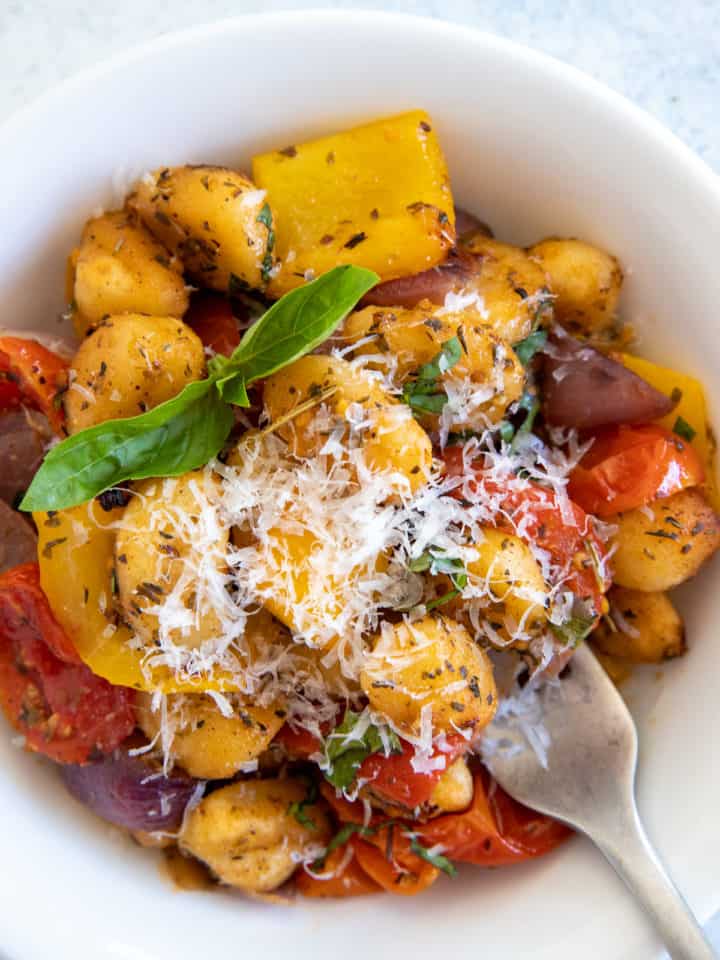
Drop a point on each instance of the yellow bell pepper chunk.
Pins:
(75, 555)
(690, 406)
(377, 196)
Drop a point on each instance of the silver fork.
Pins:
(589, 783)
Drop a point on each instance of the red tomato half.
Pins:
(495, 829)
(570, 540)
(629, 466)
(46, 692)
(394, 779)
(211, 317)
(39, 375)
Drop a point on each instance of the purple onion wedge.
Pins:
(130, 792)
(583, 388)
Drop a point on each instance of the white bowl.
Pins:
(535, 148)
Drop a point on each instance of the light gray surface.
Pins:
(662, 54)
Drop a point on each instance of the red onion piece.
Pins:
(432, 285)
(129, 792)
(584, 389)
(467, 223)
(18, 543)
(23, 436)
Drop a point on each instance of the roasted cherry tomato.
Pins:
(60, 706)
(567, 535)
(341, 876)
(494, 830)
(300, 744)
(393, 778)
(387, 857)
(211, 317)
(39, 375)
(629, 466)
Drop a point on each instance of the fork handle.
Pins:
(626, 847)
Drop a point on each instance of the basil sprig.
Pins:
(185, 432)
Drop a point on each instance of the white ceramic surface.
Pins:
(534, 148)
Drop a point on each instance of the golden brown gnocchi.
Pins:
(585, 282)
(512, 287)
(128, 365)
(121, 268)
(665, 543)
(206, 743)
(214, 219)
(403, 340)
(644, 627)
(390, 439)
(247, 836)
(429, 663)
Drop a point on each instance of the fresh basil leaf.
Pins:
(232, 389)
(436, 561)
(344, 756)
(185, 432)
(179, 435)
(299, 322)
(436, 859)
(527, 348)
(683, 429)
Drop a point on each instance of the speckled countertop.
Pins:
(663, 54)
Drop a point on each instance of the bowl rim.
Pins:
(662, 137)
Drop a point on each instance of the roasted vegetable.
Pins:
(582, 388)
(339, 200)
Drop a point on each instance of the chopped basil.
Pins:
(531, 405)
(574, 630)
(532, 344)
(341, 838)
(297, 807)
(683, 429)
(436, 859)
(344, 752)
(436, 561)
(424, 394)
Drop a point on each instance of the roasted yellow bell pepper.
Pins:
(75, 554)
(690, 407)
(377, 196)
